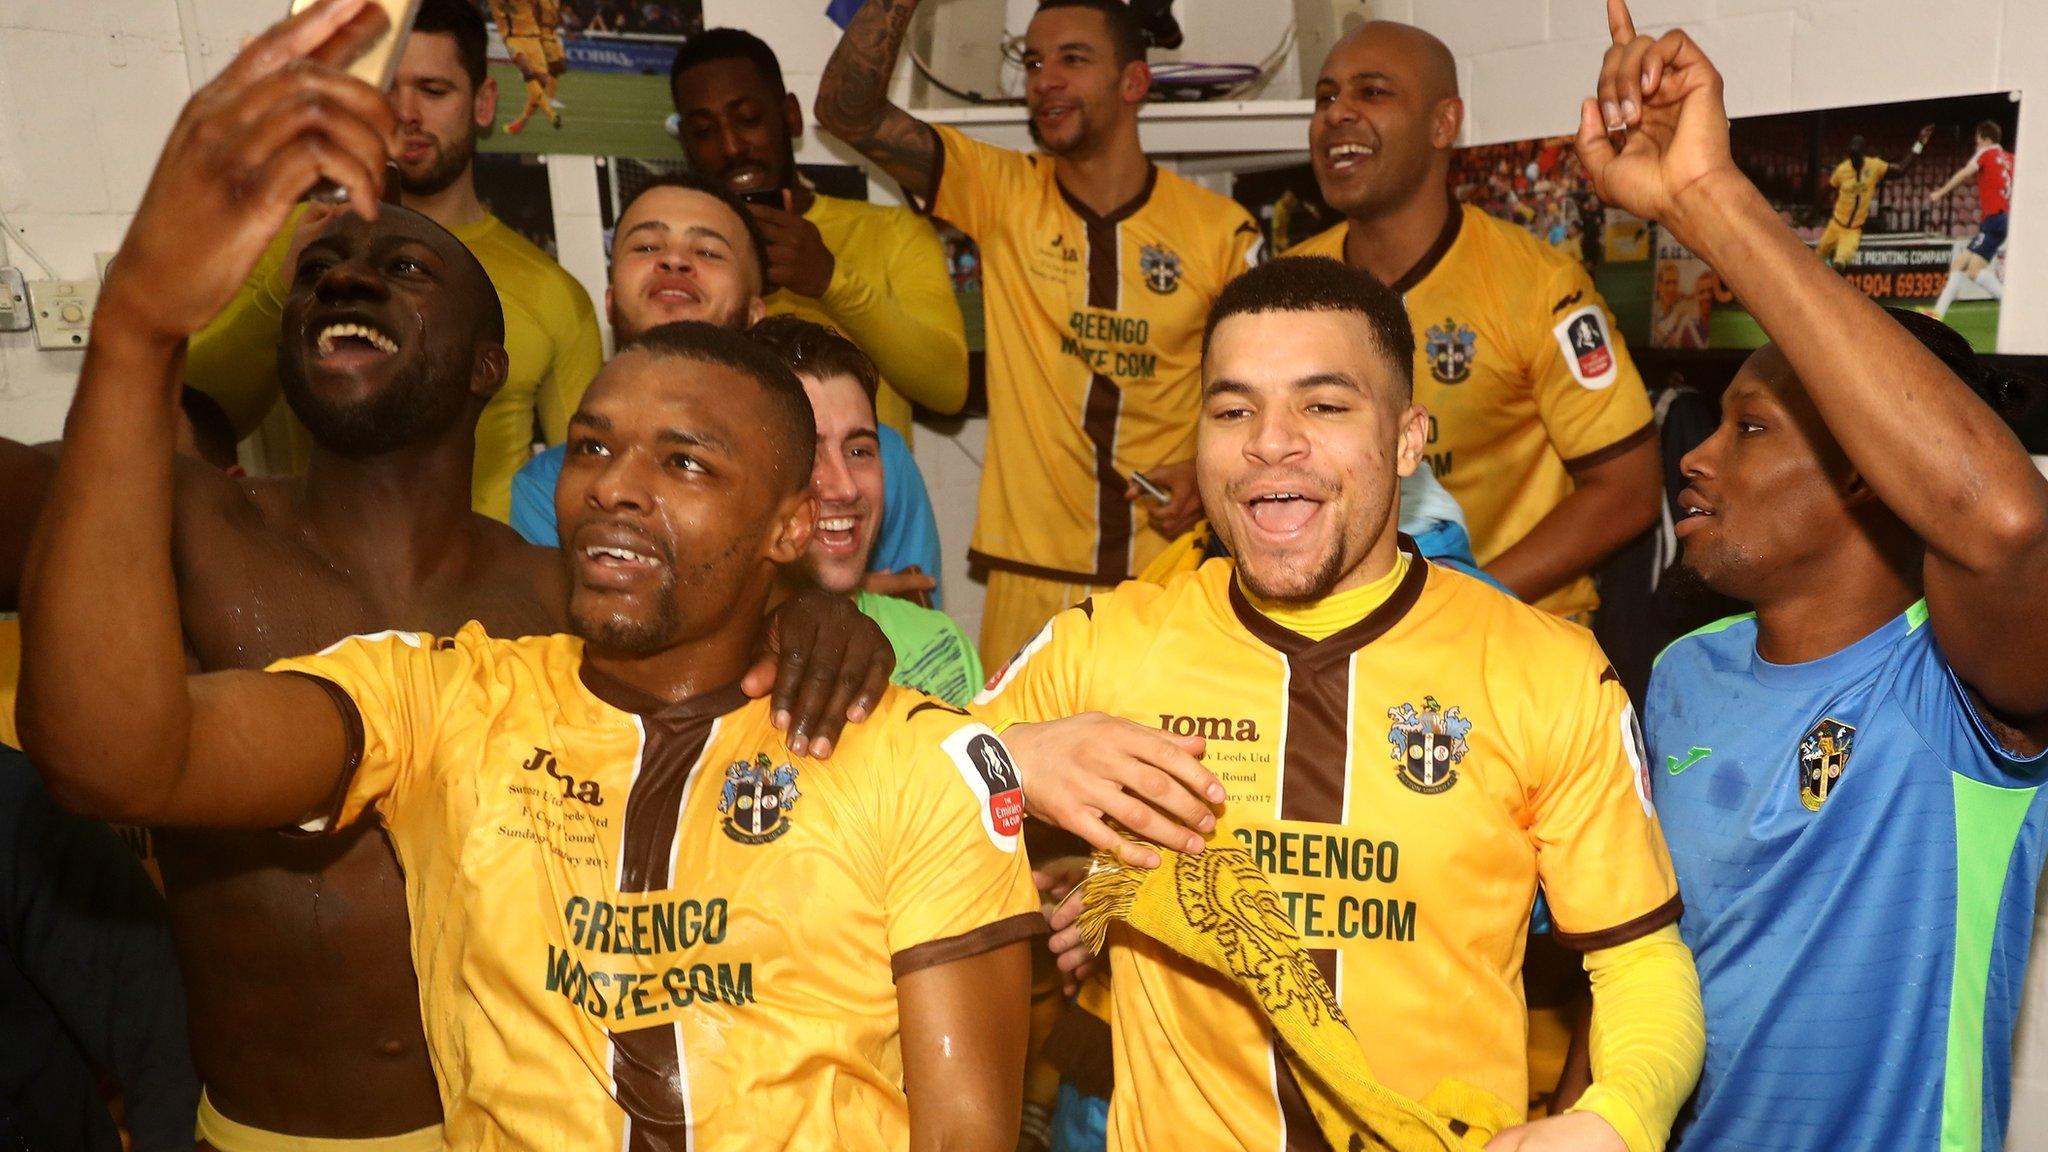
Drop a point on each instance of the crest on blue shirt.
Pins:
(1427, 745)
(1160, 268)
(1823, 754)
(757, 798)
(1450, 348)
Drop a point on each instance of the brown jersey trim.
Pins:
(1665, 913)
(1438, 249)
(1036, 572)
(352, 748)
(1602, 455)
(648, 1069)
(1121, 212)
(639, 702)
(1341, 645)
(1102, 410)
(1298, 1128)
(987, 938)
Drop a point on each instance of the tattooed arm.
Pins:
(853, 98)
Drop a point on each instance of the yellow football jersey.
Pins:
(1405, 782)
(1094, 332)
(516, 17)
(551, 341)
(1856, 191)
(656, 928)
(1524, 376)
(892, 294)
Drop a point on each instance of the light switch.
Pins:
(63, 311)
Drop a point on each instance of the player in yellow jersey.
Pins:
(875, 273)
(442, 97)
(1408, 752)
(549, 13)
(640, 919)
(521, 26)
(1855, 182)
(1097, 268)
(305, 1014)
(1539, 422)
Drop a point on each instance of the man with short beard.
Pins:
(1097, 268)
(305, 1019)
(1409, 753)
(638, 919)
(442, 97)
(1539, 424)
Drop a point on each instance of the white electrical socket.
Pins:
(63, 311)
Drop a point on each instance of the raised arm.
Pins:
(1954, 182)
(853, 98)
(1927, 446)
(105, 708)
(964, 1030)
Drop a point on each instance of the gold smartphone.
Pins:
(379, 63)
(377, 67)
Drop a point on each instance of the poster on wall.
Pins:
(586, 76)
(1922, 231)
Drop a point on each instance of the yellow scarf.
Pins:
(1220, 910)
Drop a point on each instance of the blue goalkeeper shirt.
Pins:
(1857, 854)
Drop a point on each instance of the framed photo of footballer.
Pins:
(586, 76)
(1909, 202)
(515, 190)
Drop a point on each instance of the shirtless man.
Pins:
(305, 1014)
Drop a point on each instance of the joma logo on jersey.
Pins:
(1220, 728)
(1426, 745)
(757, 799)
(1059, 245)
(1160, 268)
(1450, 348)
(572, 788)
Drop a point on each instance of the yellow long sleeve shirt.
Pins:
(551, 338)
(892, 294)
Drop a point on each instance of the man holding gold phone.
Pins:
(443, 96)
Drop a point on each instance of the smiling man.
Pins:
(634, 911)
(305, 1017)
(1539, 424)
(1098, 268)
(442, 97)
(932, 654)
(1409, 752)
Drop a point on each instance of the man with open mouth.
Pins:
(1540, 426)
(932, 654)
(1097, 268)
(1407, 751)
(305, 1016)
(443, 96)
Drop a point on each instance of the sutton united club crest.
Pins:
(1160, 268)
(1450, 348)
(1426, 745)
(1823, 754)
(757, 799)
